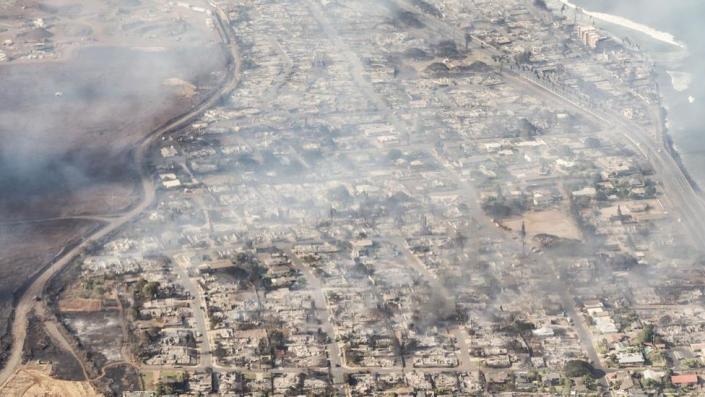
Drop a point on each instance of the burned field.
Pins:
(81, 85)
(120, 378)
(41, 347)
(98, 333)
(67, 128)
(80, 90)
(26, 250)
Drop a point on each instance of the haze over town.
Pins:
(343, 198)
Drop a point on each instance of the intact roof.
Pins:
(684, 379)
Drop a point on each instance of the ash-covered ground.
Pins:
(82, 83)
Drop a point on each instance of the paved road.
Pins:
(53, 330)
(467, 363)
(685, 201)
(27, 302)
(17, 222)
(335, 355)
(205, 345)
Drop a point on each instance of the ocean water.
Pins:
(653, 24)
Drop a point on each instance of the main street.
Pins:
(685, 201)
(200, 316)
(335, 354)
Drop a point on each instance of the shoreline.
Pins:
(662, 37)
(627, 23)
(669, 144)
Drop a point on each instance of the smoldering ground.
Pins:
(67, 125)
(67, 129)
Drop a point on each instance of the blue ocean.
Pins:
(681, 71)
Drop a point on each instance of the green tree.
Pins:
(150, 290)
(646, 335)
(577, 369)
(164, 389)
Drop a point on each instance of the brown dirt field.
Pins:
(34, 381)
(76, 305)
(554, 222)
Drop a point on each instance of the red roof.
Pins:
(684, 379)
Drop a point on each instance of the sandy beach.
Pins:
(655, 34)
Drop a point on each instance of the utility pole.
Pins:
(523, 238)
(425, 229)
